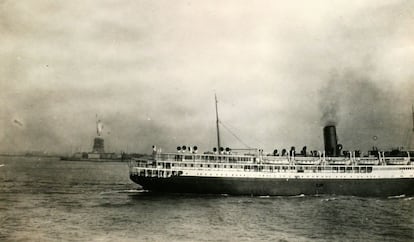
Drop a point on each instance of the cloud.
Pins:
(150, 69)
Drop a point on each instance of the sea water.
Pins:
(45, 199)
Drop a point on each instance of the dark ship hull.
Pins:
(277, 187)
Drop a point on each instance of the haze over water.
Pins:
(44, 199)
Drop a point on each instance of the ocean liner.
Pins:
(223, 171)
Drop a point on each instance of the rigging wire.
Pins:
(235, 136)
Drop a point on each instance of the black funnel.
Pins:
(330, 139)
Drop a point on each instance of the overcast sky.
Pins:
(149, 70)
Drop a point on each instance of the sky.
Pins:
(149, 70)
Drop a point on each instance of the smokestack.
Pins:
(330, 139)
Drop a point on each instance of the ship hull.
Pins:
(277, 187)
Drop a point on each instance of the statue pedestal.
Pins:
(98, 145)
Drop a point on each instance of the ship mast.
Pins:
(217, 123)
(412, 109)
(411, 136)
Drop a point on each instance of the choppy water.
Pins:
(50, 200)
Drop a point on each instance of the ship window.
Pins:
(208, 165)
(369, 169)
(201, 165)
(231, 166)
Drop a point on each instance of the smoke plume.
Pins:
(330, 101)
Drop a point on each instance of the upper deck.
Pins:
(268, 159)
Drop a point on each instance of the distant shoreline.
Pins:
(70, 158)
(26, 155)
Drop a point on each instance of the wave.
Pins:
(300, 195)
(396, 197)
(329, 199)
(133, 191)
(265, 196)
(128, 191)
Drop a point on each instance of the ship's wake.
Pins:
(396, 197)
(127, 191)
(403, 197)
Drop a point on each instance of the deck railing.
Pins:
(169, 159)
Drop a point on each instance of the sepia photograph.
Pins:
(189, 120)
